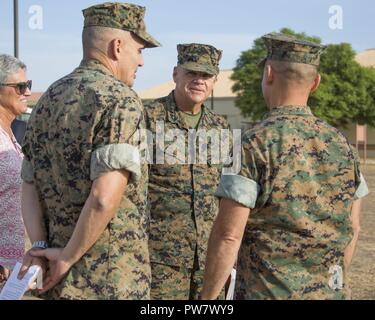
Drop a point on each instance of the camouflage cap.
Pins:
(199, 57)
(124, 16)
(288, 48)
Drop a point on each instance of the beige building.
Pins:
(223, 102)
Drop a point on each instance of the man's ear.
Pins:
(175, 71)
(316, 83)
(116, 48)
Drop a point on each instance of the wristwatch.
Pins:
(40, 245)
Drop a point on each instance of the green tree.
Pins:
(346, 93)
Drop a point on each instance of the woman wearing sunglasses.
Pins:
(14, 90)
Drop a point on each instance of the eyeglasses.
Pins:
(20, 86)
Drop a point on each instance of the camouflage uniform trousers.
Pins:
(177, 283)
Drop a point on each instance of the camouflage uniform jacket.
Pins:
(83, 127)
(181, 196)
(300, 177)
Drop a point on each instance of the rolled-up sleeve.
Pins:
(362, 190)
(239, 189)
(27, 171)
(116, 157)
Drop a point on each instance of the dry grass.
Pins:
(362, 273)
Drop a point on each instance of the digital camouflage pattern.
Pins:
(288, 48)
(175, 283)
(181, 196)
(124, 16)
(199, 57)
(79, 114)
(294, 241)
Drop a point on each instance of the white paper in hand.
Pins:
(232, 285)
(15, 289)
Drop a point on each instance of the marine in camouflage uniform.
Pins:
(299, 177)
(181, 195)
(83, 127)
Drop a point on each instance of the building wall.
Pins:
(226, 107)
(350, 133)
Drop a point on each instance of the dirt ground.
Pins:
(362, 272)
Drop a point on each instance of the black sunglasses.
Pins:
(21, 86)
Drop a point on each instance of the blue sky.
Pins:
(231, 26)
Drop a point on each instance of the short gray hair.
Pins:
(8, 66)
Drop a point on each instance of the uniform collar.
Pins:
(94, 65)
(174, 114)
(290, 110)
